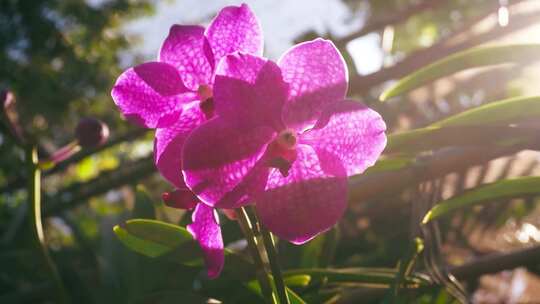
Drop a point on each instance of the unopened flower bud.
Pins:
(91, 132)
(7, 98)
(11, 116)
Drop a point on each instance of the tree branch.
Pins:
(78, 193)
(19, 182)
(371, 186)
(496, 262)
(396, 18)
(361, 84)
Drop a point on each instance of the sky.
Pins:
(282, 21)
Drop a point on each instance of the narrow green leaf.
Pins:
(384, 276)
(503, 111)
(492, 117)
(431, 138)
(154, 239)
(390, 164)
(472, 58)
(501, 189)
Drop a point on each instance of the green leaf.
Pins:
(390, 164)
(381, 276)
(501, 189)
(498, 112)
(155, 239)
(492, 117)
(472, 58)
(432, 138)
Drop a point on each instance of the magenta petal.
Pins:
(151, 94)
(249, 90)
(169, 142)
(235, 28)
(317, 75)
(350, 131)
(309, 201)
(187, 49)
(205, 229)
(218, 157)
(181, 198)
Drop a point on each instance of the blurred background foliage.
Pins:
(60, 59)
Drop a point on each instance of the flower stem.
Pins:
(34, 214)
(274, 263)
(262, 275)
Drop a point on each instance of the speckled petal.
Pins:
(187, 49)
(235, 28)
(309, 201)
(205, 229)
(317, 75)
(352, 132)
(218, 157)
(249, 90)
(151, 94)
(169, 142)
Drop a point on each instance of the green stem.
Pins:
(274, 263)
(34, 214)
(262, 276)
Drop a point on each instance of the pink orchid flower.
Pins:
(285, 138)
(174, 95)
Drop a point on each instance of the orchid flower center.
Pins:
(206, 100)
(282, 151)
(287, 139)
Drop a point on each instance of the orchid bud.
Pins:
(91, 133)
(11, 116)
(7, 98)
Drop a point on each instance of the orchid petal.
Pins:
(235, 28)
(309, 201)
(169, 142)
(187, 49)
(151, 94)
(317, 75)
(249, 90)
(218, 157)
(205, 229)
(350, 131)
(181, 198)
